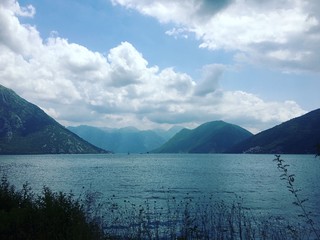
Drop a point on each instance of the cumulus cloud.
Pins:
(279, 34)
(209, 82)
(78, 86)
(17, 37)
(128, 65)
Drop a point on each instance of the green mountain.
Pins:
(300, 135)
(26, 129)
(211, 137)
(123, 140)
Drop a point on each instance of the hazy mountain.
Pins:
(211, 137)
(296, 136)
(167, 134)
(124, 140)
(26, 129)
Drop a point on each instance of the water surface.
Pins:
(136, 177)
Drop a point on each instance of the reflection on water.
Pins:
(137, 178)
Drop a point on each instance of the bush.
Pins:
(47, 216)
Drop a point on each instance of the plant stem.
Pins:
(289, 178)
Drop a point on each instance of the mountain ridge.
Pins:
(210, 137)
(123, 140)
(299, 135)
(27, 129)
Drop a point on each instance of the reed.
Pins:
(300, 202)
(193, 218)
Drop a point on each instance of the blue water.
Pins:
(252, 178)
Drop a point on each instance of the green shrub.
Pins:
(47, 216)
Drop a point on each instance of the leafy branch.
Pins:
(289, 178)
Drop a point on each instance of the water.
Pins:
(253, 178)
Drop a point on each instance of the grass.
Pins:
(191, 218)
(50, 215)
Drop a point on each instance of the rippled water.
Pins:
(254, 178)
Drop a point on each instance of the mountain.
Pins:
(167, 134)
(300, 135)
(123, 140)
(211, 137)
(26, 129)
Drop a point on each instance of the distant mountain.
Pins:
(26, 129)
(123, 140)
(167, 134)
(300, 135)
(211, 137)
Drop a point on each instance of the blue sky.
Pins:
(117, 63)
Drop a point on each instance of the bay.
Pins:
(252, 179)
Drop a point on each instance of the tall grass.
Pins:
(192, 218)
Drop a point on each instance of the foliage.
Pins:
(47, 216)
(300, 202)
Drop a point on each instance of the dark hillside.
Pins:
(300, 135)
(26, 129)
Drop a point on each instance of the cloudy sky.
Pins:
(148, 64)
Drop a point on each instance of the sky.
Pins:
(156, 64)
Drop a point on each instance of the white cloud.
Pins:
(79, 86)
(211, 75)
(258, 29)
(178, 32)
(128, 65)
(28, 11)
(19, 38)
